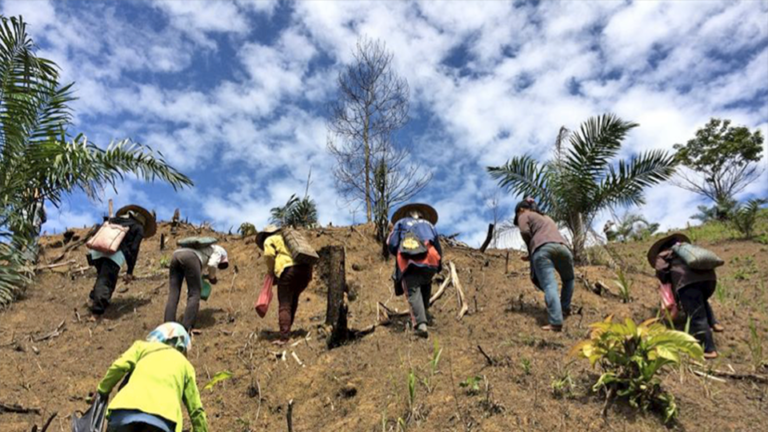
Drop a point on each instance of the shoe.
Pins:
(421, 331)
(718, 328)
(552, 327)
(711, 355)
(566, 312)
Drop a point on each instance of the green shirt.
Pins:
(159, 383)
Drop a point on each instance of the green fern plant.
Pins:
(631, 357)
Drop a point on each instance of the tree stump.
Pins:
(162, 241)
(332, 273)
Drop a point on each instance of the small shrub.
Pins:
(563, 385)
(165, 262)
(247, 229)
(526, 365)
(472, 384)
(721, 291)
(631, 356)
(744, 217)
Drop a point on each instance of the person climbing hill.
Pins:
(693, 288)
(187, 263)
(141, 224)
(160, 379)
(415, 243)
(292, 277)
(547, 253)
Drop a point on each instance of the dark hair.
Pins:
(529, 204)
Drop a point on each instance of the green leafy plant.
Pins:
(562, 385)
(624, 284)
(165, 262)
(631, 357)
(721, 291)
(41, 161)
(526, 364)
(472, 384)
(583, 178)
(219, 377)
(247, 229)
(755, 345)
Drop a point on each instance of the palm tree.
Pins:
(296, 213)
(40, 161)
(583, 178)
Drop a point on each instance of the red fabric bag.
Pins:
(265, 296)
(668, 302)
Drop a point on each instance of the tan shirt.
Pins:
(537, 230)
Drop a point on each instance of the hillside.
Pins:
(363, 386)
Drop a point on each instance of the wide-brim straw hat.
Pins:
(150, 224)
(266, 232)
(654, 251)
(426, 210)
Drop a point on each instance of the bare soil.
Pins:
(363, 386)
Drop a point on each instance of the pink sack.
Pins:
(668, 303)
(108, 238)
(265, 297)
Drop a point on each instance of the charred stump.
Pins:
(488, 238)
(332, 273)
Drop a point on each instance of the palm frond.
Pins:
(624, 185)
(524, 176)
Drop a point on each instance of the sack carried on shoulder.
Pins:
(697, 257)
(197, 242)
(301, 251)
(108, 238)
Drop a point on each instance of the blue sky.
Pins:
(234, 93)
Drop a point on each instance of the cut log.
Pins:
(18, 409)
(332, 272)
(488, 238)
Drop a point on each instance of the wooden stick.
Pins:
(702, 374)
(111, 212)
(51, 266)
(18, 409)
(739, 376)
(295, 357)
(488, 358)
(52, 334)
(289, 415)
(488, 238)
(463, 308)
(441, 290)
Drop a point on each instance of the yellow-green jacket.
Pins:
(162, 378)
(276, 254)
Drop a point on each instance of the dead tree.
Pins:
(373, 103)
(332, 273)
(488, 238)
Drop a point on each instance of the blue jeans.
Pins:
(547, 259)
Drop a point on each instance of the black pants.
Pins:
(184, 265)
(694, 299)
(135, 427)
(292, 282)
(106, 281)
(417, 284)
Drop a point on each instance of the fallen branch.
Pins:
(295, 357)
(52, 334)
(463, 308)
(702, 374)
(18, 409)
(387, 314)
(739, 376)
(78, 243)
(441, 290)
(52, 266)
